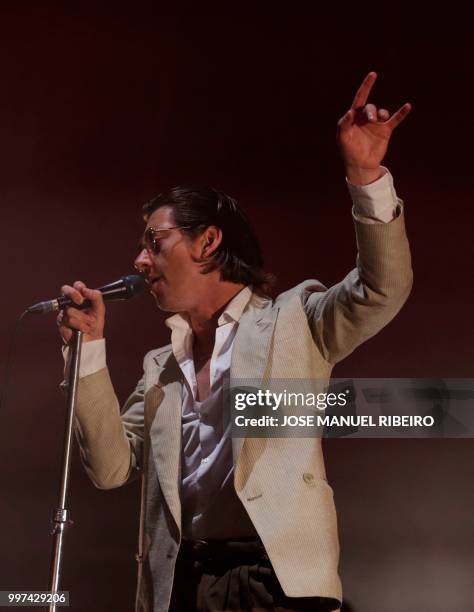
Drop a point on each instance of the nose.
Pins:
(143, 261)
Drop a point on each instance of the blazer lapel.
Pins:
(164, 398)
(251, 351)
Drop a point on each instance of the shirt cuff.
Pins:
(93, 357)
(376, 202)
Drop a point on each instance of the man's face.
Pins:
(171, 274)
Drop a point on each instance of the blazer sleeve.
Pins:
(110, 440)
(350, 312)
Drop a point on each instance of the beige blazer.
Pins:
(281, 482)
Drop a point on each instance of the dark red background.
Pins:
(101, 109)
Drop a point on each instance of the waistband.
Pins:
(222, 549)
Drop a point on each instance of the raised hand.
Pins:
(364, 132)
(90, 321)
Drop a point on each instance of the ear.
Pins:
(210, 239)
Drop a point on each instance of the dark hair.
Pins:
(239, 256)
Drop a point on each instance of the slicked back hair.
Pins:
(239, 256)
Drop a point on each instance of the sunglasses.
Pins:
(150, 240)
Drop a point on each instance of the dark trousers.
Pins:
(233, 577)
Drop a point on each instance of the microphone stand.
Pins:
(61, 518)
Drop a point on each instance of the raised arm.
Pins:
(347, 314)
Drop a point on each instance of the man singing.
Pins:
(228, 523)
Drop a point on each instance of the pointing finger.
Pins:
(363, 92)
(399, 116)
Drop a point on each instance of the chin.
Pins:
(164, 304)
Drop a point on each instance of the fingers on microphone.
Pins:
(72, 293)
(94, 295)
(82, 289)
(97, 307)
(78, 320)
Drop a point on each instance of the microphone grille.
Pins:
(134, 284)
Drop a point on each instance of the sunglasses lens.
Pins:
(151, 243)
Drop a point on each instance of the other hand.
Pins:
(364, 132)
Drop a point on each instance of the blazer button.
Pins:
(308, 478)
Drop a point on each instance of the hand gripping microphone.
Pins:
(123, 289)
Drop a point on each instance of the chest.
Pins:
(211, 361)
(202, 367)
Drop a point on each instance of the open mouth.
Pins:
(154, 280)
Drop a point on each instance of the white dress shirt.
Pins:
(211, 508)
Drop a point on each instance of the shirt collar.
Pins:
(233, 311)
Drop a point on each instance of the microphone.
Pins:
(123, 289)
